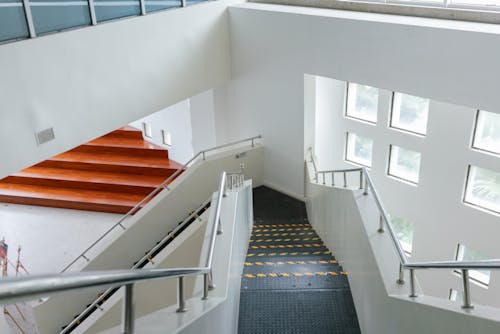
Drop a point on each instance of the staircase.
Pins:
(112, 173)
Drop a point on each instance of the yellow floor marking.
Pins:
(273, 275)
(344, 272)
(321, 273)
(312, 262)
(272, 246)
(249, 276)
(301, 262)
(261, 275)
(254, 247)
(272, 254)
(263, 246)
(290, 262)
(248, 264)
(250, 255)
(294, 253)
(297, 274)
(333, 273)
(283, 253)
(269, 263)
(258, 263)
(284, 275)
(309, 274)
(323, 262)
(280, 262)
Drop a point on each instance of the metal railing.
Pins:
(13, 290)
(366, 184)
(162, 186)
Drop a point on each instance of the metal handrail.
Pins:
(17, 289)
(463, 266)
(148, 256)
(163, 185)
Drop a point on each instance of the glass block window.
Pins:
(487, 132)
(409, 113)
(362, 102)
(404, 232)
(483, 188)
(481, 277)
(359, 149)
(404, 164)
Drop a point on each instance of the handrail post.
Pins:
(323, 177)
(128, 310)
(361, 179)
(381, 224)
(203, 154)
(465, 278)
(252, 143)
(333, 179)
(182, 302)
(345, 179)
(219, 227)
(366, 186)
(413, 293)
(401, 279)
(205, 286)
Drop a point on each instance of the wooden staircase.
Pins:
(109, 174)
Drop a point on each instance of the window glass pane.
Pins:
(359, 149)
(483, 188)
(362, 102)
(466, 254)
(58, 15)
(193, 2)
(410, 113)
(404, 232)
(404, 164)
(112, 9)
(487, 135)
(12, 21)
(154, 5)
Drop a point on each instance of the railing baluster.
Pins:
(323, 177)
(380, 224)
(333, 179)
(182, 302)
(361, 179)
(465, 278)
(413, 292)
(366, 186)
(401, 279)
(128, 310)
(345, 179)
(205, 286)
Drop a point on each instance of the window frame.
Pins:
(391, 115)
(346, 107)
(346, 148)
(397, 177)
(474, 134)
(472, 272)
(475, 205)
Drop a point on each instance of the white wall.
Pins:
(347, 221)
(203, 120)
(175, 119)
(435, 206)
(90, 81)
(272, 47)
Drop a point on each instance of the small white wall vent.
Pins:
(147, 130)
(45, 136)
(167, 138)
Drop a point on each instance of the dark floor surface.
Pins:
(291, 282)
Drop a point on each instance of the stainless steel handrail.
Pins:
(463, 266)
(148, 256)
(17, 289)
(163, 185)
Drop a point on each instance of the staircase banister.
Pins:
(13, 290)
(155, 192)
(493, 264)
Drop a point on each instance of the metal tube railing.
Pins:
(384, 222)
(163, 185)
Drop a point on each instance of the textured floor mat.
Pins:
(291, 282)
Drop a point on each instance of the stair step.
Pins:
(125, 132)
(84, 199)
(124, 142)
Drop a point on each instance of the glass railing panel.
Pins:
(106, 10)
(12, 20)
(154, 5)
(193, 2)
(59, 15)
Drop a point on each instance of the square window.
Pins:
(487, 132)
(404, 164)
(362, 102)
(409, 113)
(404, 232)
(483, 188)
(480, 277)
(359, 149)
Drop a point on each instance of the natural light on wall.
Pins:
(362, 102)
(483, 188)
(404, 164)
(359, 149)
(409, 113)
(487, 132)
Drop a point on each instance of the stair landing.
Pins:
(112, 173)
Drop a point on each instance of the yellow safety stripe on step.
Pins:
(295, 274)
(278, 225)
(344, 272)
(282, 229)
(287, 253)
(285, 240)
(278, 263)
